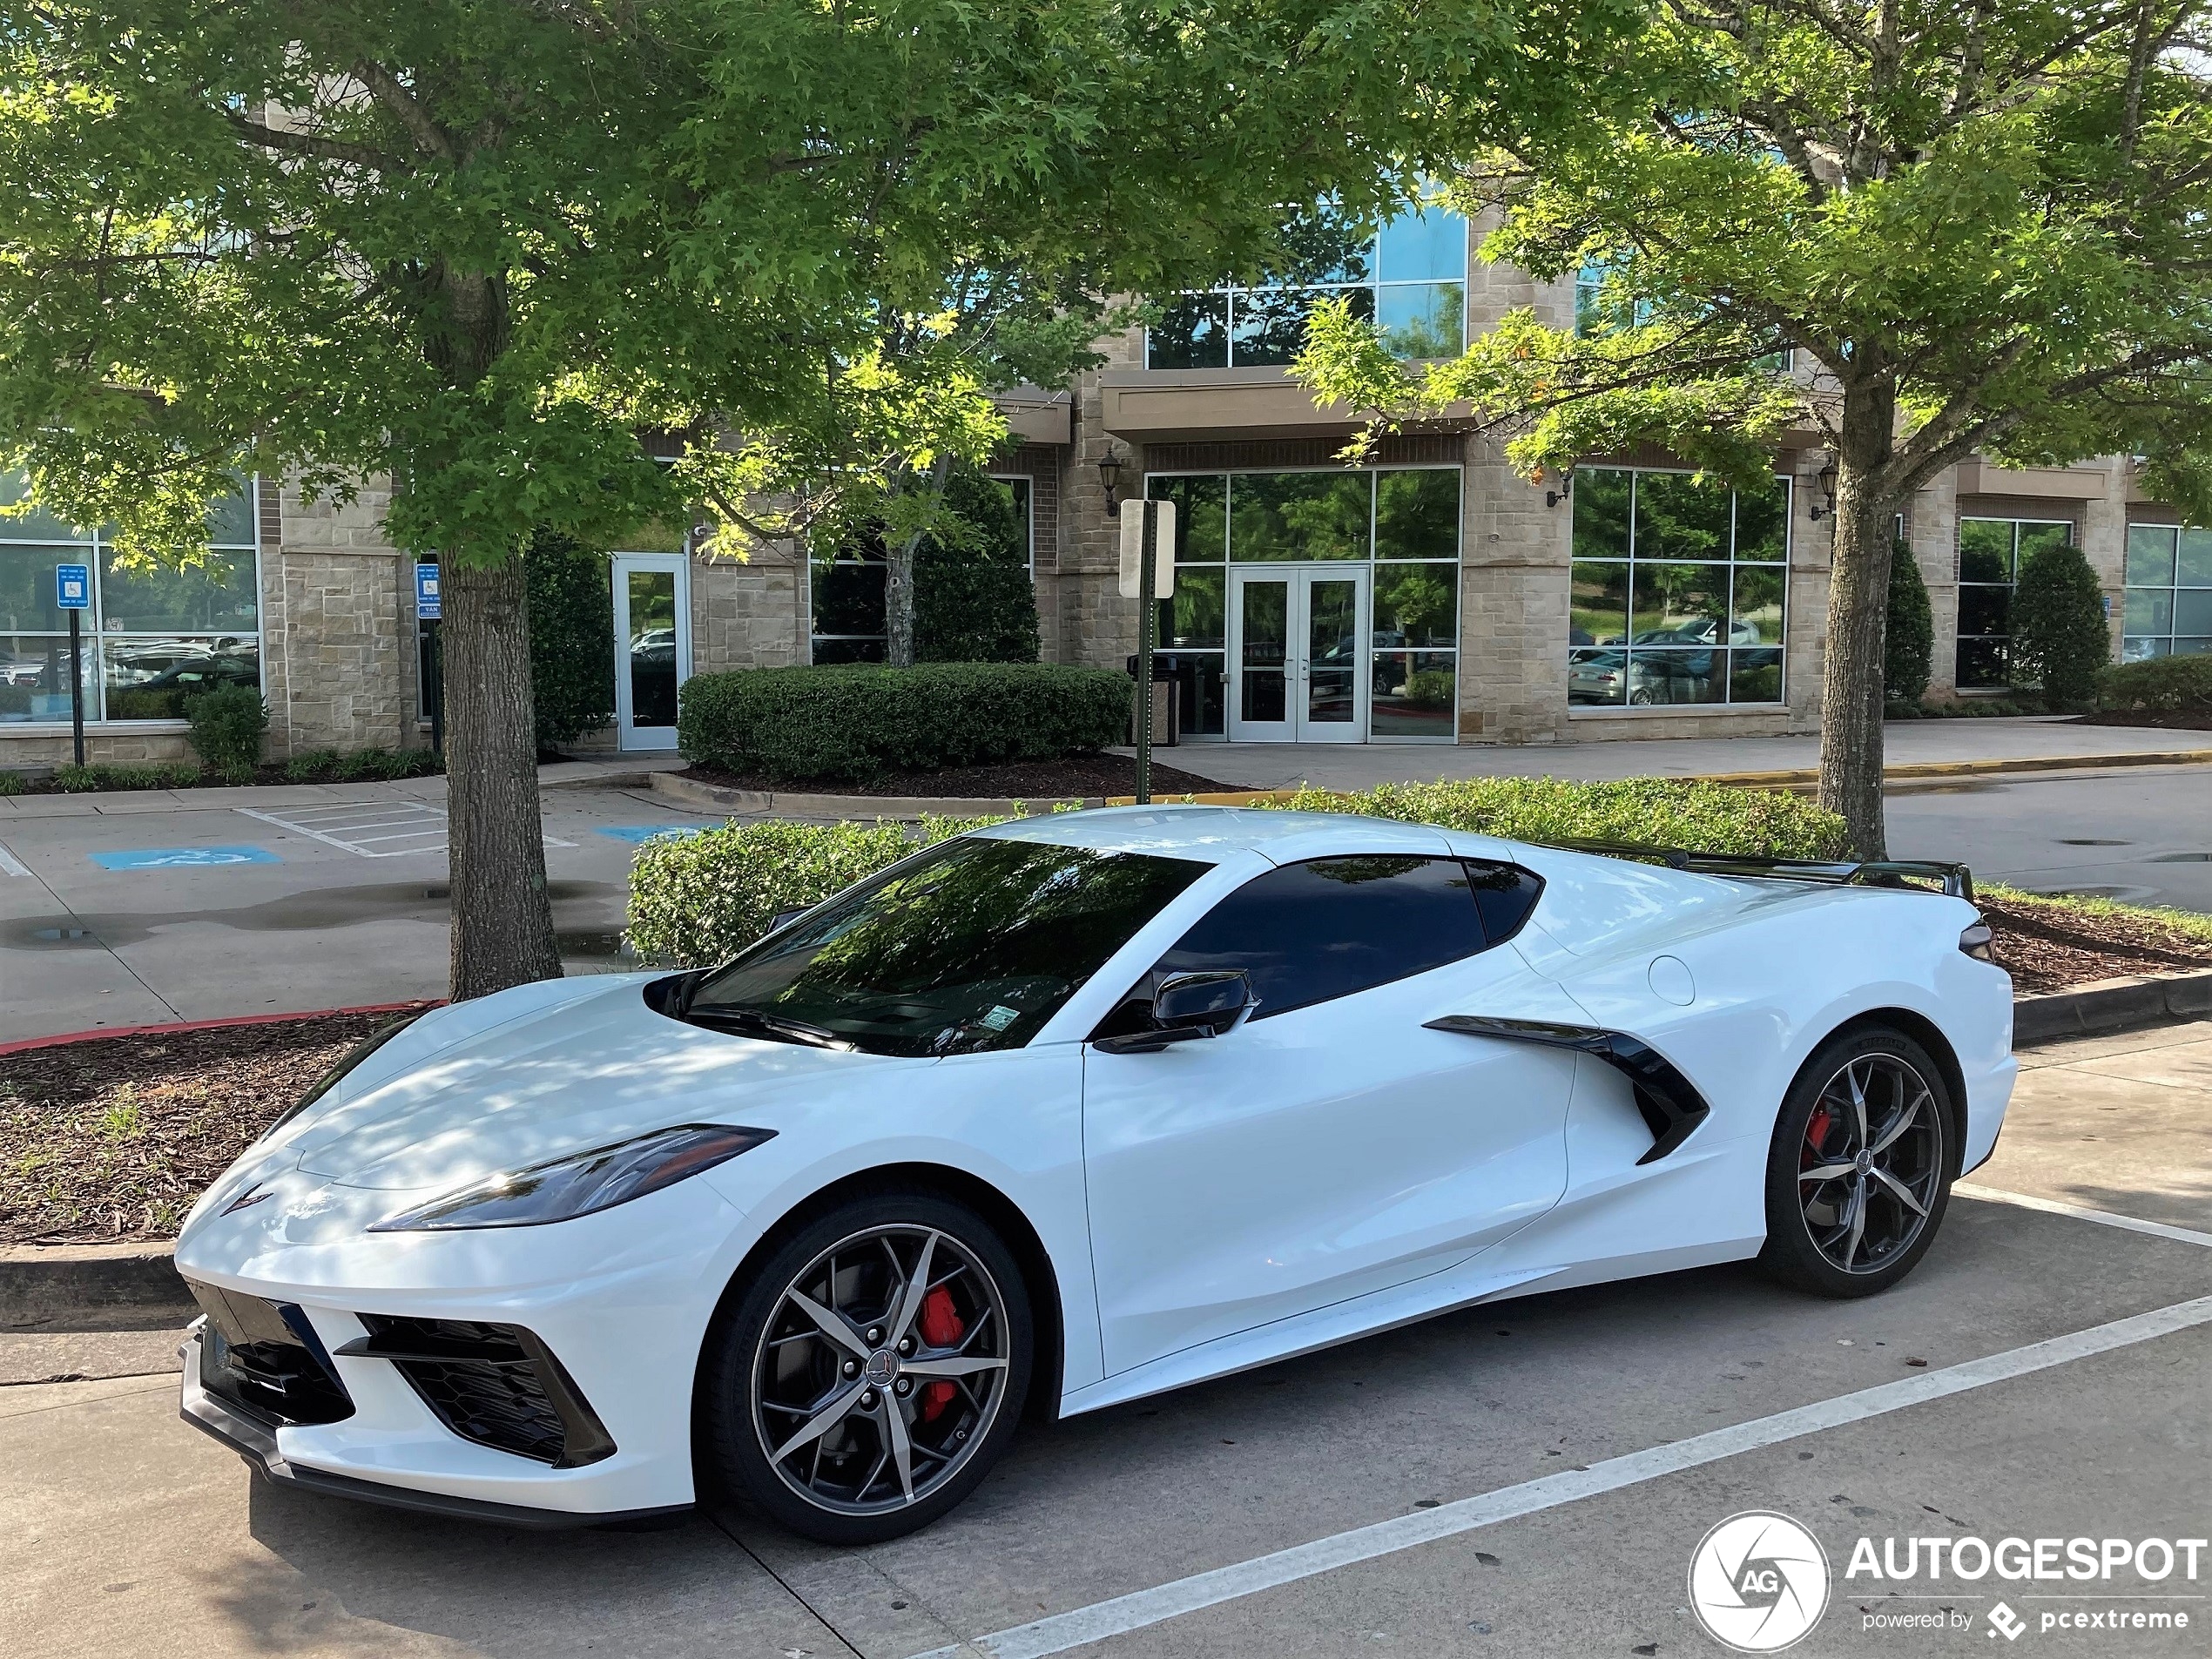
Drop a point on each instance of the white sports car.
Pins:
(1058, 1113)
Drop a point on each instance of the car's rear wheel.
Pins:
(871, 1372)
(1859, 1171)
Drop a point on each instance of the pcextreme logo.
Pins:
(1758, 1582)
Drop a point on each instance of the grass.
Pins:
(2190, 922)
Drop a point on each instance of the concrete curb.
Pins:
(87, 1285)
(1910, 770)
(81, 1287)
(757, 803)
(2110, 1005)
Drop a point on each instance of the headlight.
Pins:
(329, 1080)
(581, 1183)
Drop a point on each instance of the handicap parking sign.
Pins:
(183, 858)
(73, 587)
(428, 606)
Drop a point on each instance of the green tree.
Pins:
(2060, 638)
(1983, 228)
(475, 247)
(1908, 634)
(974, 599)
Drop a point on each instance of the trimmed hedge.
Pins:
(1658, 812)
(853, 722)
(2160, 684)
(228, 722)
(1908, 638)
(2060, 638)
(699, 899)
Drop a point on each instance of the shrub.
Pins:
(176, 774)
(2060, 636)
(1429, 688)
(12, 782)
(227, 724)
(2160, 684)
(1657, 811)
(850, 723)
(1908, 639)
(699, 899)
(572, 639)
(311, 767)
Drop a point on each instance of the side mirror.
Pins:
(1185, 1006)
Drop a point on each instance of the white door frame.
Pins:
(629, 735)
(1297, 724)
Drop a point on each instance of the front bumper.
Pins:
(261, 1448)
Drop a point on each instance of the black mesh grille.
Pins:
(491, 1384)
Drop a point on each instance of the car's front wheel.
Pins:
(867, 1375)
(1859, 1171)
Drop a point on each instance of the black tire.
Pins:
(768, 1361)
(1811, 1242)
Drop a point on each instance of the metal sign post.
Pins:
(73, 593)
(430, 606)
(1148, 577)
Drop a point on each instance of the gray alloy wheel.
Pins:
(1871, 1163)
(880, 1370)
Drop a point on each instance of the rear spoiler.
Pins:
(1956, 879)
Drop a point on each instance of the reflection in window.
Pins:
(1402, 522)
(1676, 589)
(1991, 552)
(153, 636)
(2168, 606)
(1410, 277)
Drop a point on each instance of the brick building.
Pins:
(1432, 596)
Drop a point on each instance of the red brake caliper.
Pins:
(1816, 1137)
(941, 1326)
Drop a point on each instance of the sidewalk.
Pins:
(611, 772)
(1362, 765)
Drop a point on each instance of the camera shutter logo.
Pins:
(1758, 1582)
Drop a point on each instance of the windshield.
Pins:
(972, 946)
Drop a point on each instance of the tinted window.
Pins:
(1504, 893)
(1326, 928)
(975, 944)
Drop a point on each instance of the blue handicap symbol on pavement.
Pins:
(637, 834)
(182, 858)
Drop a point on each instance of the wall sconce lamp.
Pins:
(1552, 497)
(1109, 474)
(1827, 482)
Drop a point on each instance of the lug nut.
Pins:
(875, 1335)
(904, 1385)
(852, 1367)
(868, 1400)
(905, 1345)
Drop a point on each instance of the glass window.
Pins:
(1678, 590)
(1991, 552)
(1415, 693)
(1201, 514)
(971, 945)
(1417, 514)
(1192, 620)
(1326, 928)
(152, 636)
(1410, 277)
(2169, 606)
(1020, 489)
(848, 607)
(1300, 514)
(1415, 604)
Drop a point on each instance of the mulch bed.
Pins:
(1080, 778)
(2171, 719)
(114, 1139)
(2048, 948)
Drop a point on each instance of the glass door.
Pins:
(652, 646)
(1298, 653)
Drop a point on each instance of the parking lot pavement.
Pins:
(2040, 1375)
(202, 904)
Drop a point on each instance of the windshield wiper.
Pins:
(752, 1021)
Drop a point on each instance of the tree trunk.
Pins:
(1859, 582)
(502, 922)
(899, 603)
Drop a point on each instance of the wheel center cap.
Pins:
(881, 1368)
(1863, 1162)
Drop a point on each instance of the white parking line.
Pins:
(340, 826)
(1084, 1625)
(2103, 1217)
(10, 864)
